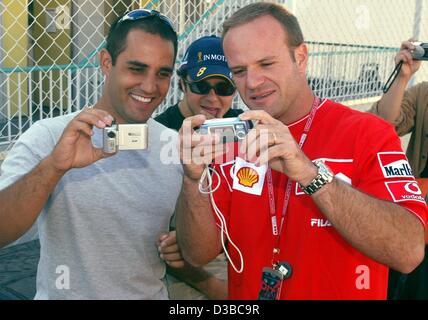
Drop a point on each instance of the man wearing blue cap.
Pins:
(208, 89)
(206, 81)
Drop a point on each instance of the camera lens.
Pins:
(111, 134)
(240, 134)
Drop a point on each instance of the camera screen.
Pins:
(227, 133)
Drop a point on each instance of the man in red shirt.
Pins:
(325, 208)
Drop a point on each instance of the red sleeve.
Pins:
(383, 171)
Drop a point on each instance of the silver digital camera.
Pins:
(230, 129)
(125, 137)
(420, 52)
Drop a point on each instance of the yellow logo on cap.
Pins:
(199, 56)
(201, 71)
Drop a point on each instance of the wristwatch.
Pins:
(325, 175)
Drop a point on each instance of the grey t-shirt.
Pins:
(99, 227)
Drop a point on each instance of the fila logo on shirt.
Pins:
(320, 223)
(405, 191)
(394, 164)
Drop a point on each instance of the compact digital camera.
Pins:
(125, 137)
(231, 129)
(420, 52)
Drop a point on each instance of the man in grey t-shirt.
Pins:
(99, 214)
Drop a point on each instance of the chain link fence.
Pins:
(49, 48)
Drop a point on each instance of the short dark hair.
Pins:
(255, 10)
(116, 38)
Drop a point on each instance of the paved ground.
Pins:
(18, 265)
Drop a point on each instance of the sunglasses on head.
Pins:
(139, 14)
(221, 88)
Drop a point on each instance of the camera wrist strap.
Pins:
(392, 77)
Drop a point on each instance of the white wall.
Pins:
(88, 27)
(365, 22)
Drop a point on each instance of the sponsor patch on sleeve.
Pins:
(405, 191)
(394, 165)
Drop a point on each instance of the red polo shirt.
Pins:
(362, 150)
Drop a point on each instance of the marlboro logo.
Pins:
(394, 164)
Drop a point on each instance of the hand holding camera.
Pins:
(202, 141)
(229, 129)
(408, 61)
(75, 149)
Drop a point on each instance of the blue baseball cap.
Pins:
(205, 58)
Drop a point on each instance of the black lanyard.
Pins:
(275, 233)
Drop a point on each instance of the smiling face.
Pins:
(139, 81)
(268, 74)
(211, 105)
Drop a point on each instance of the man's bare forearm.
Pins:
(21, 202)
(197, 232)
(389, 106)
(381, 230)
(203, 281)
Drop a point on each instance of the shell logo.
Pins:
(247, 177)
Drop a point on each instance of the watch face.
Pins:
(324, 171)
(325, 175)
